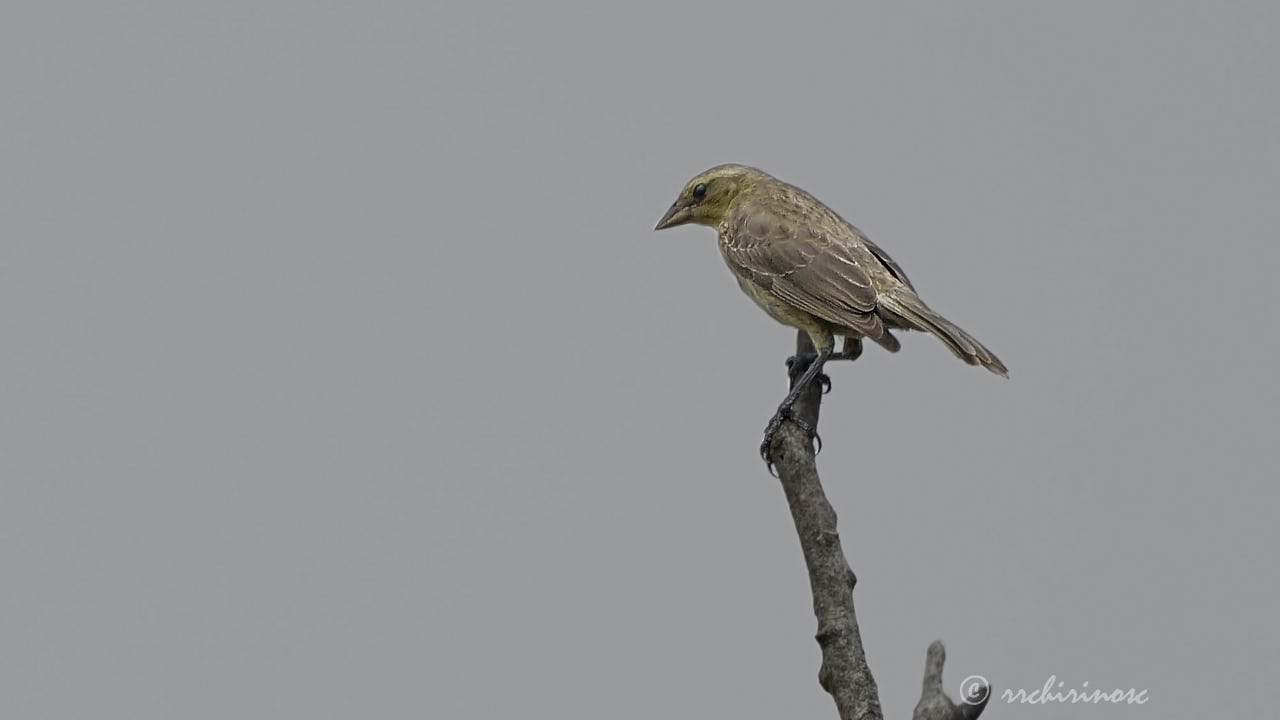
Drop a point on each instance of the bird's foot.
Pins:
(771, 430)
(797, 364)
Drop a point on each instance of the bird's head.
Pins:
(706, 198)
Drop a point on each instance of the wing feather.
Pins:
(812, 271)
(885, 260)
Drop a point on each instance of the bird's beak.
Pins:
(675, 216)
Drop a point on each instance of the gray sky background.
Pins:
(341, 374)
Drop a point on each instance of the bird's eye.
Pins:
(700, 190)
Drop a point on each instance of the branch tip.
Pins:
(934, 703)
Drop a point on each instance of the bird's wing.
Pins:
(805, 268)
(885, 260)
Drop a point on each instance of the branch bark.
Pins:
(844, 672)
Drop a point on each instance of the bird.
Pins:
(809, 268)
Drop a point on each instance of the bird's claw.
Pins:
(771, 430)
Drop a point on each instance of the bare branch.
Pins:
(844, 671)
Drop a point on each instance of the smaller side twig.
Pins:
(934, 703)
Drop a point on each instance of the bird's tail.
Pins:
(916, 314)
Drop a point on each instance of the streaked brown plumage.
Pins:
(809, 268)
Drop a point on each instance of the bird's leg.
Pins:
(812, 369)
(851, 350)
(796, 364)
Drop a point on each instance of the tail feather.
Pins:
(918, 315)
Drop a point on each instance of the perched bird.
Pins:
(810, 269)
